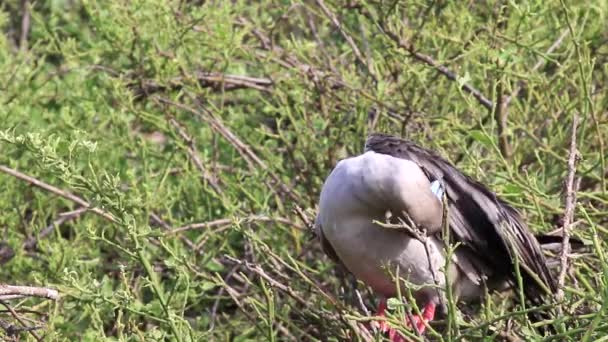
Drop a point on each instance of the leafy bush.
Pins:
(202, 132)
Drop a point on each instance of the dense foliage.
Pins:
(202, 132)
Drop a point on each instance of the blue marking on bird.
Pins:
(437, 189)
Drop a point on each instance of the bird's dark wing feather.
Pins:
(488, 226)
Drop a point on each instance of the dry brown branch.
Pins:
(233, 81)
(21, 321)
(27, 291)
(250, 157)
(271, 281)
(570, 204)
(360, 330)
(31, 242)
(226, 221)
(61, 193)
(500, 115)
(213, 80)
(216, 303)
(195, 156)
(428, 60)
(259, 271)
(166, 227)
(25, 25)
(538, 65)
(501, 111)
(12, 330)
(289, 61)
(321, 78)
(347, 37)
(302, 215)
(85, 206)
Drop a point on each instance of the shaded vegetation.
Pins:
(202, 132)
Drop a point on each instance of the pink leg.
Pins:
(419, 321)
(427, 315)
(393, 335)
(380, 312)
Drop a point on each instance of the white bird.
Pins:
(397, 176)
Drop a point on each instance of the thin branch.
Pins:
(502, 108)
(28, 291)
(290, 61)
(12, 330)
(538, 65)
(61, 193)
(31, 242)
(248, 154)
(218, 296)
(302, 215)
(347, 37)
(25, 25)
(166, 227)
(205, 80)
(195, 156)
(234, 81)
(588, 103)
(501, 112)
(21, 321)
(428, 60)
(226, 221)
(271, 281)
(569, 210)
(244, 150)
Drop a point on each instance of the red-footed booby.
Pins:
(400, 177)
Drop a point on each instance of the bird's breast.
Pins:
(374, 254)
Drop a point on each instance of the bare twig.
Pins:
(570, 203)
(347, 37)
(501, 112)
(302, 215)
(271, 281)
(218, 296)
(28, 291)
(259, 271)
(428, 60)
(205, 80)
(502, 108)
(166, 227)
(289, 61)
(61, 193)
(226, 221)
(250, 157)
(25, 25)
(538, 65)
(63, 217)
(12, 330)
(584, 84)
(195, 156)
(21, 321)
(234, 81)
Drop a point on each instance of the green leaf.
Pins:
(481, 137)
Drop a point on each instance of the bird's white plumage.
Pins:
(362, 189)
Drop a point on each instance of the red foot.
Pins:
(419, 321)
(426, 316)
